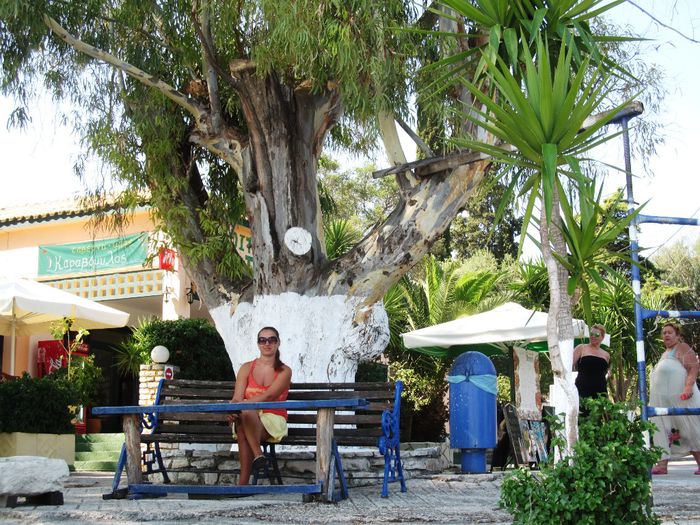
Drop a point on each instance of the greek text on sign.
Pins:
(93, 256)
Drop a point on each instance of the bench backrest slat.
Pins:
(352, 427)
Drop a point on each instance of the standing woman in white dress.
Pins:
(673, 384)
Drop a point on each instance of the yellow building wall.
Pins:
(66, 231)
(18, 257)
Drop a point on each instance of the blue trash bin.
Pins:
(473, 409)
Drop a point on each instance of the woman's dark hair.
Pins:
(278, 362)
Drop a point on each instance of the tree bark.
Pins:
(560, 336)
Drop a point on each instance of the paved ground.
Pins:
(442, 499)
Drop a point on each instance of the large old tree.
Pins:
(220, 110)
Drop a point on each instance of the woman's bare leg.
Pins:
(254, 431)
(696, 455)
(245, 455)
(662, 466)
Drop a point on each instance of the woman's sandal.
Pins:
(697, 472)
(656, 471)
(259, 463)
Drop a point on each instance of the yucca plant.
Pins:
(340, 237)
(588, 235)
(542, 112)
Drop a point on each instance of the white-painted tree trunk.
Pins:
(560, 337)
(564, 391)
(320, 339)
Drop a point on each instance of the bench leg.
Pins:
(272, 458)
(118, 493)
(393, 470)
(399, 468)
(272, 469)
(161, 465)
(341, 473)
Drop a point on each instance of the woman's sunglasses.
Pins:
(595, 334)
(268, 340)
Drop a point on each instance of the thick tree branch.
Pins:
(210, 58)
(227, 143)
(390, 249)
(170, 92)
(204, 32)
(414, 136)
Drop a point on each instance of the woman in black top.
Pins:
(592, 362)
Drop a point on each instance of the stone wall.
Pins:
(362, 466)
(149, 377)
(217, 464)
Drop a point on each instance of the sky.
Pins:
(37, 161)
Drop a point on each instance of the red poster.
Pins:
(51, 355)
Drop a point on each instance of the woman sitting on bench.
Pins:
(266, 378)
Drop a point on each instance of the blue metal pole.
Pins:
(657, 219)
(636, 279)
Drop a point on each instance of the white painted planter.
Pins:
(58, 446)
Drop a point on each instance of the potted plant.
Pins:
(83, 381)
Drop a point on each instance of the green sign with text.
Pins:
(93, 256)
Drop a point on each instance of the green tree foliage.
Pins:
(605, 480)
(477, 228)
(590, 237)
(194, 345)
(340, 237)
(679, 268)
(357, 197)
(166, 117)
(84, 380)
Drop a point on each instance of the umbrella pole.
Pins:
(13, 338)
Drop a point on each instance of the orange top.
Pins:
(253, 389)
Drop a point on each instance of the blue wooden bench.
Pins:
(189, 411)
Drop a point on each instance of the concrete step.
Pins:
(98, 466)
(107, 446)
(109, 455)
(101, 438)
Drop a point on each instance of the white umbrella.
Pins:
(28, 307)
(508, 322)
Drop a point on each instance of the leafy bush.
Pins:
(195, 346)
(36, 405)
(605, 481)
(83, 379)
(134, 351)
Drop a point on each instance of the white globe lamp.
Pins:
(160, 354)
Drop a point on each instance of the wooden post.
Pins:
(132, 438)
(324, 437)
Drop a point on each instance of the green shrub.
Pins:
(195, 346)
(36, 405)
(606, 480)
(84, 380)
